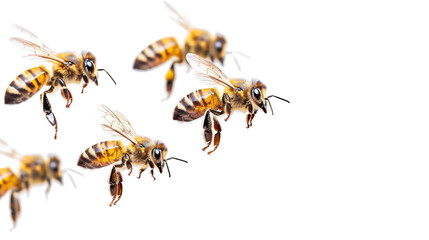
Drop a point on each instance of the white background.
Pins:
(347, 159)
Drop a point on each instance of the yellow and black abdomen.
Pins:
(101, 154)
(158, 53)
(8, 180)
(26, 85)
(195, 104)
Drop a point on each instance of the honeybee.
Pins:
(198, 41)
(33, 170)
(67, 68)
(142, 151)
(238, 95)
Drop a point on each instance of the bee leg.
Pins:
(127, 161)
(216, 139)
(120, 188)
(227, 105)
(253, 115)
(47, 109)
(115, 181)
(151, 172)
(48, 188)
(170, 76)
(15, 208)
(85, 83)
(141, 171)
(249, 116)
(84, 86)
(65, 92)
(207, 126)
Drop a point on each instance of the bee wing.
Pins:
(118, 124)
(181, 20)
(207, 70)
(8, 151)
(31, 36)
(35, 50)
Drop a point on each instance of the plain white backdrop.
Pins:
(347, 159)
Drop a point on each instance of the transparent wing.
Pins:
(181, 20)
(8, 151)
(32, 36)
(118, 124)
(207, 70)
(37, 51)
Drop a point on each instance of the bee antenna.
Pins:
(67, 171)
(172, 158)
(107, 74)
(232, 53)
(168, 169)
(269, 102)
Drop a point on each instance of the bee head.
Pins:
(219, 46)
(258, 95)
(90, 68)
(158, 154)
(55, 169)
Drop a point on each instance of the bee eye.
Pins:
(141, 145)
(53, 165)
(256, 93)
(218, 46)
(157, 153)
(89, 65)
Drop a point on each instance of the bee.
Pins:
(67, 68)
(198, 41)
(33, 170)
(141, 151)
(238, 95)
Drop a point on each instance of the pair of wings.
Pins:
(206, 70)
(118, 124)
(39, 51)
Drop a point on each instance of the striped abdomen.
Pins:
(195, 104)
(8, 180)
(26, 85)
(158, 53)
(101, 154)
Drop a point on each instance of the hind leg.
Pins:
(207, 126)
(47, 109)
(210, 121)
(15, 207)
(216, 139)
(115, 181)
(170, 76)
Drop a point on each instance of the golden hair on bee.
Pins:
(67, 68)
(238, 95)
(141, 152)
(33, 170)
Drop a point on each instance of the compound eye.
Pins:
(89, 65)
(256, 93)
(157, 153)
(218, 46)
(53, 165)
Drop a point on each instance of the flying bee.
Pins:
(67, 68)
(198, 41)
(141, 151)
(33, 170)
(238, 95)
